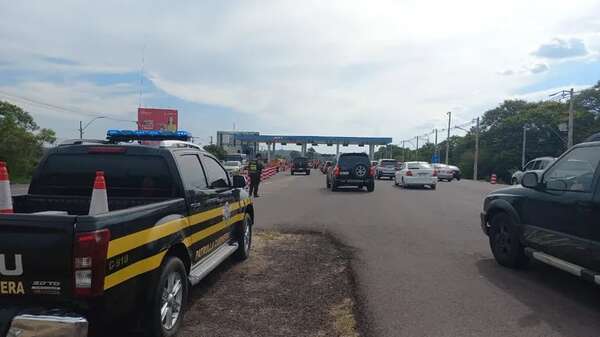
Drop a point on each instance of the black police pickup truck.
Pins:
(175, 214)
(554, 217)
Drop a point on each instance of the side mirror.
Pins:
(239, 181)
(530, 180)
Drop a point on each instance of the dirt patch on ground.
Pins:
(292, 285)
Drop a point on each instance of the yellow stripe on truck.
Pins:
(129, 242)
(190, 240)
(134, 270)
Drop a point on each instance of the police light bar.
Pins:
(132, 135)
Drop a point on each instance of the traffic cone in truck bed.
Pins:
(99, 202)
(6, 206)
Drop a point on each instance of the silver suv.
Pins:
(386, 168)
(538, 165)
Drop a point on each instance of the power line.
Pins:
(60, 108)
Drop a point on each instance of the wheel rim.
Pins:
(503, 239)
(247, 235)
(171, 300)
(360, 171)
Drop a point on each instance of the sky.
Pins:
(346, 68)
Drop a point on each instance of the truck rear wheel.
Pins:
(505, 242)
(168, 304)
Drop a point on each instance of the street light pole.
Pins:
(571, 119)
(448, 139)
(476, 157)
(524, 146)
(80, 130)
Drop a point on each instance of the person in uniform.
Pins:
(255, 168)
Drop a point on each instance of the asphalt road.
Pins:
(423, 265)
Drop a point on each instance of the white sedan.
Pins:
(416, 173)
(234, 166)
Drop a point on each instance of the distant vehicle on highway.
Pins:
(455, 171)
(443, 171)
(352, 169)
(300, 164)
(386, 168)
(552, 217)
(233, 167)
(416, 173)
(241, 157)
(537, 164)
(326, 166)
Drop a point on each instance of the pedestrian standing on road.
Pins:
(255, 168)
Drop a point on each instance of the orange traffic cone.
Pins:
(99, 202)
(6, 206)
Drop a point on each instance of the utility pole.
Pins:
(211, 140)
(435, 148)
(524, 145)
(476, 157)
(448, 138)
(571, 119)
(417, 150)
(80, 130)
(403, 152)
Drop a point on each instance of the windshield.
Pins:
(417, 166)
(390, 163)
(72, 174)
(232, 163)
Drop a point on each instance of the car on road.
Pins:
(233, 166)
(351, 169)
(300, 164)
(175, 214)
(552, 217)
(416, 173)
(538, 165)
(386, 168)
(443, 171)
(455, 171)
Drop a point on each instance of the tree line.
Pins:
(501, 135)
(22, 141)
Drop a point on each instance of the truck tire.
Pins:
(327, 183)
(371, 186)
(505, 241)
(514, 181)
(334, 187)
(169, 299)
(244, 239)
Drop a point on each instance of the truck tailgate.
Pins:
(35, 256)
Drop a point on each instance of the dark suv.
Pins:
(552, 217)
(300, 164)
(352, 169)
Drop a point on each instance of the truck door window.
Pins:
(192, 173)
(215, 173)
(575, 171)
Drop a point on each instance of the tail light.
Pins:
(434, 173)
(409, 173)
(336, 171)
(89, 262)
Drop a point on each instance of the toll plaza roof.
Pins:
(314, 139)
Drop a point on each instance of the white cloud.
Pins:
(334, 67)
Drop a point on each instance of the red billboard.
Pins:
(157, 119)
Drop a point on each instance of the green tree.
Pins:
(22, 141)
(310, 153)
(215, 150)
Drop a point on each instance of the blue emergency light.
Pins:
(133, 135)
